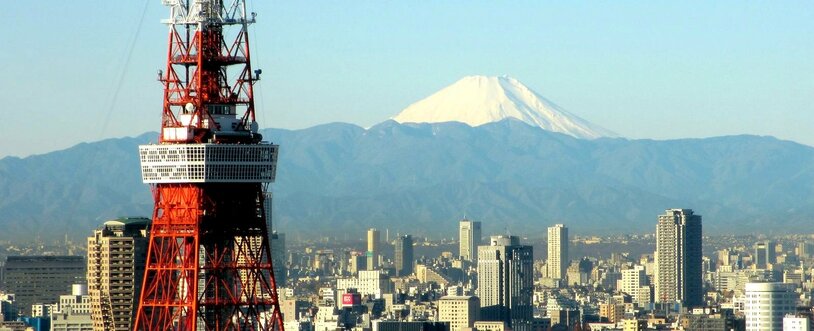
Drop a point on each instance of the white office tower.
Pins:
(505, 282)
(372, 249)
(678, 276)
(766, 304)
(557, 262)
(634, 283)
(469, 235)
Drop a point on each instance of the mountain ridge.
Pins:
(423, 177)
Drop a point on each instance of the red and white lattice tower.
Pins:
(209, 261)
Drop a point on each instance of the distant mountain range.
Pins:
(422, 178)
(485, 147)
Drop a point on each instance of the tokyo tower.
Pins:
(209, 260)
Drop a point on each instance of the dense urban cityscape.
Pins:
(674, 279)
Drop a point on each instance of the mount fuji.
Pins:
(478, 100)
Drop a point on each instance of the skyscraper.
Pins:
(267, 209)
(469, 239)
(358, 262)
(117, 252)
(277, 243)
(764, 254)
(404, 255)
(372, 249)
(278, 254)
(557, 251)
(678, 276)
(505, 282)
(634, 283)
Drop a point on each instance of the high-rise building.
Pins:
(117, 252)
(764, 254)
(278, 254)
(459, 311)
(766, 304)
(267, 210)
(372, 249)
(634, 283)
(404, 255)
(557, 251)
(277, 242)
(40, 279)
(805, 249)
(469, 235)
(505, 282)
(358, 262)
(678, 276)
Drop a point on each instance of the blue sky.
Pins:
(645, 70)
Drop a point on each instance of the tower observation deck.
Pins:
(209, 261)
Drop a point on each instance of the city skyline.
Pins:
(694, 65)
(728, 265)
(551, 127)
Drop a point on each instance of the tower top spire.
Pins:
(208, 12)
(208, 81)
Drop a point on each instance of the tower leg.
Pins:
(209, 262)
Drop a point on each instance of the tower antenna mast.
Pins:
(209, 261)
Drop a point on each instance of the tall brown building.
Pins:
(117, 252)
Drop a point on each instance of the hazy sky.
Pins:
(74, 71)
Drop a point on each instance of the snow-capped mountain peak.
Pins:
(477, 100)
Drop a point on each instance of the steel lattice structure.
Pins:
(209, 260)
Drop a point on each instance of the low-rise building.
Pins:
(459, 311)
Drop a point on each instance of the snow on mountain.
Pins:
(477, 100)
